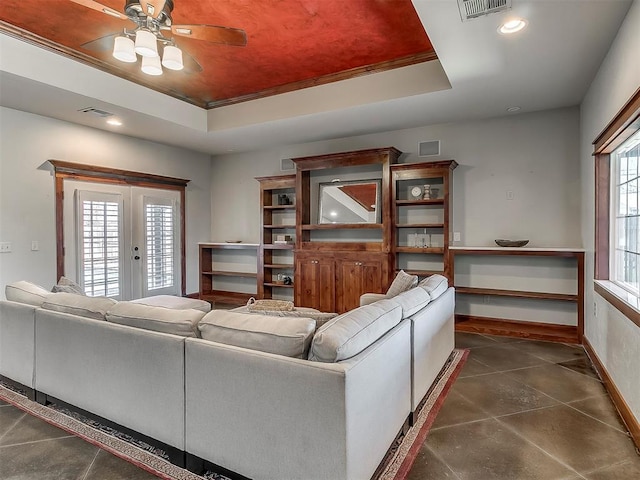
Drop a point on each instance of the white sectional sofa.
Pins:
(233, 399)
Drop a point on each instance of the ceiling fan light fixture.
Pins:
(172, 58)
(146, 44)
(123, 50)
(151, 66)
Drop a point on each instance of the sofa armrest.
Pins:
(328, 420)
(17, 342)
(367, 298)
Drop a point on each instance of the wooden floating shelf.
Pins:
(422, 273)
(419, 225)
(222, 273)
(338, 226)
(433, 201)
(419, 250)
(279, 207)
(272, 246)
(283, 266)
(517, 294)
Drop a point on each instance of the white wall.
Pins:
(533, 155)
(614, 337)
(27, 207)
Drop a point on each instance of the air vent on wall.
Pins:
(96, 111)
(428, 149)
(286, 164)
(470, 9)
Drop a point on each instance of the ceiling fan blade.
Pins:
(212, 33)
(152, 8)
(101, 44)
(191, 65)
(101, 8)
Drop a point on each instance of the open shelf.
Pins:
(279, 285)
(433, 201)
(338, 226)
(231, 274)
(517, 294)
(283, 266)
(419, 225)
(420, 250)
(278, 226)
(279, 207)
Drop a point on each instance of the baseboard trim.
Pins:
(517, 328)
(625, 412)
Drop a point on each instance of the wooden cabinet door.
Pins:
(315, 282)
(355, 277)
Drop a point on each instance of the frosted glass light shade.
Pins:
(172, 58)
(123, 50)
(151, 65)
(146, 44)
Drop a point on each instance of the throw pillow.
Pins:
(301, 312)
(287, 336)
(435, 285)
(26, 292)
(350, 333)
(402, 283)
(66, 285)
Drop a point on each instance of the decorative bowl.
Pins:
(511, 243)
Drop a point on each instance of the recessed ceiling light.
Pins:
(512, 26)
(114, 121)
(513, 109)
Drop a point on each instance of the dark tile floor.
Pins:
(519, 410)
(523, 410)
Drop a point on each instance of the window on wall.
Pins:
(617, 181)
(625, 254)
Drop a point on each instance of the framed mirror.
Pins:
(349, 202)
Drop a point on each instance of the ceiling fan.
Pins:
(152, 20)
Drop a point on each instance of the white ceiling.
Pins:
(480, 74)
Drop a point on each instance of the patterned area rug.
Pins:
(396, 465)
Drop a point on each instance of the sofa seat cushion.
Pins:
(288, 336)
(435, 285)
(350, 333)
(412, 301)
(160, 319)
(176, 303)
(26, 292)
(90, 307)
(401, 283)
(301, 312)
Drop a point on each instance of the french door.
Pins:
(121, 241)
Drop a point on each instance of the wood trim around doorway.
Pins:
(91, 173)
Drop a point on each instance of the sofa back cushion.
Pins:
(160, 319)
(434, 285)
(350, 333)
(26, 292)
(288, 336)
(412, 301)
(175, 303)
(90, 307)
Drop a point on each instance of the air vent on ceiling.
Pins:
(286, 164)
(470, 9)
(428, 149)
(96, 111)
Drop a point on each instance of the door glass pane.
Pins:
(100, 245)
(160, 243)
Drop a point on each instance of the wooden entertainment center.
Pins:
(307, 256)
